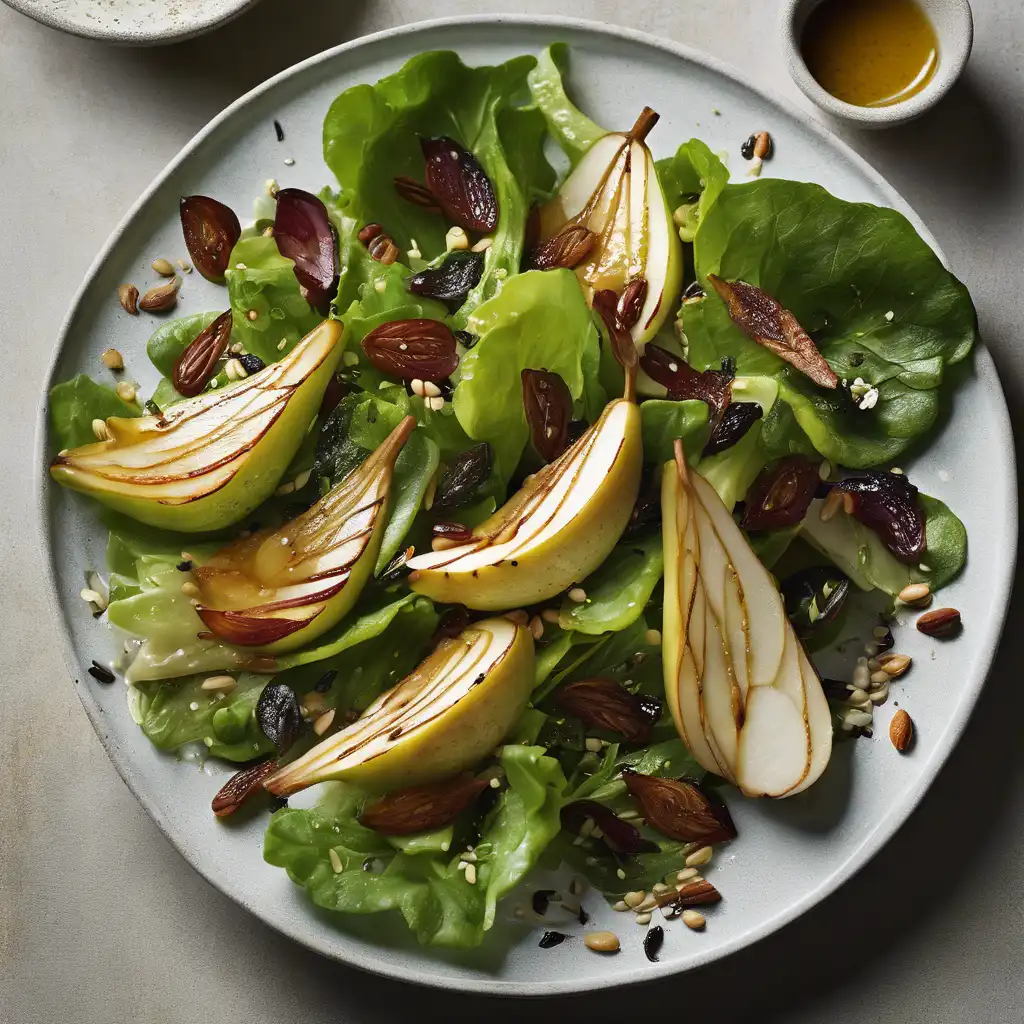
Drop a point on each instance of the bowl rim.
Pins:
(880, 831)
(792, 17)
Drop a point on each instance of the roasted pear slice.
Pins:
(553, 532)
(208, 461)
(614, 193)
(454, 709)
(278, 589)
(742, 692)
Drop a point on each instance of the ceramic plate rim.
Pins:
(897, 812)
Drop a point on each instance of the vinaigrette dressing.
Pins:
(872, 53)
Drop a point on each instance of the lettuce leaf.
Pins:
(571, 128)
(372, 132)
(863, 284)
(261, 280)
(424, 885)
(539, 320)
(692, 180)
(663, 420)
(75, 403)
(169, 340)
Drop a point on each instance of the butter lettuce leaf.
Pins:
(169, 340)
(75, 403)
(423, 884)
(663, 421)
(571, 128)
(865, 286)
(692, 180)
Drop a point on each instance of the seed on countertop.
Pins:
(901, 730)
(125, 391)
(917, 594)
(161, 297)
(224, 683)
(113, 360)
(101, 673)
(128, 296)
(693, 919)
(699, 857)
(895, 665)
(99, 428)
(602, 942)
(940, 623)
(165, 268)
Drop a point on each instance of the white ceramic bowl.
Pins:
(132, 22)
(954, 28)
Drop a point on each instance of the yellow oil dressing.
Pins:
(871, 53)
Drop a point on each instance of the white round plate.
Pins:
(789, 854)
(132, 22)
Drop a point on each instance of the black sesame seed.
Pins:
(252, 364)
(747, 149)
(652, 943)
(101, 673)
(514, 562)
(549, 939)
(278, 131)
(325, 682)
(184, 566)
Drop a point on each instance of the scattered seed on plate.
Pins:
(278, 130)
(699, 857)
(634, 899)
(165, 268)
(693, 919)
(125, 391)
(128, 296)
(602, 942)
(101, 673)
(112, 359)
(919, 595)
(652, 943)
(550, 939)
(643, 918)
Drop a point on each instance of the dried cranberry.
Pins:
(781, 495)
(211, 230)
(737, 419)
(887, 503)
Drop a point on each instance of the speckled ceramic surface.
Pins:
(132, 22)
(790, 854)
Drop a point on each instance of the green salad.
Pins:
(506, 505)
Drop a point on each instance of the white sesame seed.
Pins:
(577, 595)
(620, 874)
(430, 389)
(99, 428)
(323, 723)
(652, 637)
(281, 344)
(693, 919)
(380, 286)
(593, 744)
(644, 918)
(471, 874)
(194, 706)
(699, 857)
(224, 683)
(889, 315)
(336, 865)
(289, 161)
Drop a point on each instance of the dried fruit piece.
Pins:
(453, 280)
(678, 809)
(198, 363)
(548, 406)
(764, 320)
(422, 808)
(940, 623)
(683, 382)
(211, 230)
(652, 943)
(901, 730)
(278, 715)
(463, 476)
(128, 296)
(415, 349)
(631, 302)
(241, 786)
(305, 235)
(621, 836)
(567, 249)
(606, 704)
(551, 939)
(814, 597)
(737, 419)
(781, 494)
(887, 503)
(161, 297)
(606, 302)
(450, 535)
(459, 184)
(419, 195)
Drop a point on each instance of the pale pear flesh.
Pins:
(452, 711)
(742, 692)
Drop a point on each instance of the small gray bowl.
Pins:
(954, 29)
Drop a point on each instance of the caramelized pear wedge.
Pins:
(452, 711)
(208, 461)
(743, 694)
(614, 193)
(279, 589)
(553, 532)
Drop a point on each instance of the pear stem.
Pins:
(629, 391)
(644, 123)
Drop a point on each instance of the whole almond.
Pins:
(413, 349)
(162, 297)
(940, 623)
(901, 730)
(422, 808)
(568, 248)
(197, 364)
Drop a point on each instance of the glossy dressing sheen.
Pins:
(871, 53)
